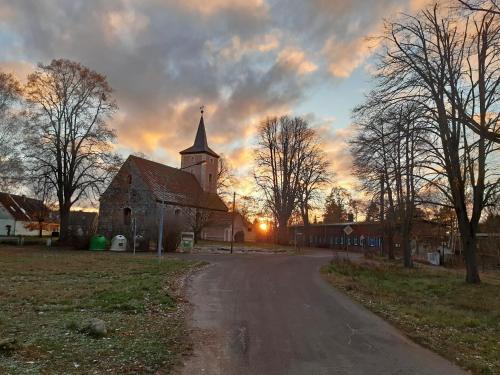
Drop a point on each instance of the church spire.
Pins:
(200, 144)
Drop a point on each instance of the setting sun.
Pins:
(319, 155)
(263, 227)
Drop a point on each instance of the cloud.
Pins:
(243, 59)
(348, 28)
(211, 7)
(236, 48)
(345, 56)
(295, 59)
(19, 68)
(125, 25)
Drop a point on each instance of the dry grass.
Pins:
(47, 295)
(434, 307)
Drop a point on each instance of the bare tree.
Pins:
(372, 149)
(225, 178)
(283, 145)
(67, 139)
(487, 6)
(388, 152)
(248, 207)
(448, 66)
(197, 219)
(314, 176)
(10, 159)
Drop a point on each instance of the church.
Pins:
(142, 188)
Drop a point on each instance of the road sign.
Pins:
(348, 230)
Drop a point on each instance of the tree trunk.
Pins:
(389, 242)
(282, 231)
(64, 224)
(305, 219)
(469, 245)
(408, 262)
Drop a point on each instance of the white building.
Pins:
(22, 216)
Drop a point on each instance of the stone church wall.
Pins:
(128, 198)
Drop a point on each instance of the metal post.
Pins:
(134, 233)
(160, 235)
(232, 221)
(347, 246)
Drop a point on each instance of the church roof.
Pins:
(200, 144)
(175, 186)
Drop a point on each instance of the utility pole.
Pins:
(160, 234)
(232, 221)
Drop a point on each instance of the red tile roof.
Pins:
(175, 186)
(23, 208)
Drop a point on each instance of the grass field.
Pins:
(46, 296)
(435, 307)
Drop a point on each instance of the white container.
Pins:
(118, 243)
(433, 258)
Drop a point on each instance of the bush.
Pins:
(172, 240)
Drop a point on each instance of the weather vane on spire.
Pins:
(202, 109)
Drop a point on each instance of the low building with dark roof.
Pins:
(136, 196)
(219, 228)
(426, 236)
(23, 216)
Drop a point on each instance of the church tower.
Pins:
(201, 160)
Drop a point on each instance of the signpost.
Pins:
(348, 230)
(297, 244)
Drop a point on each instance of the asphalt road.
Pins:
(274, 314)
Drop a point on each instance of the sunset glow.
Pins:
(263, 227)
(288, 145)
(161, 76)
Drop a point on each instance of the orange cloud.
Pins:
(210, 7)
(335, 145)
(294, 58)
(345, 56)
(20, 69)
(237, 47)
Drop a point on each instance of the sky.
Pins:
(243, 60)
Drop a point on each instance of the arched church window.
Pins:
(177, 212)
(127, 216)
(129, 179)
(210, 177)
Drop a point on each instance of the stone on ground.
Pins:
(95, 327)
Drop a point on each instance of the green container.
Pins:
(97, 243)
(187, 241)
